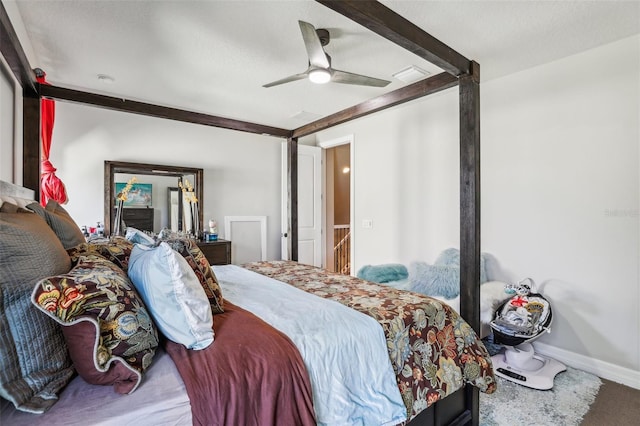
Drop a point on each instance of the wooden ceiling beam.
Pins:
(387, 23)
(14, 54)
(142, 108)
(413, 91)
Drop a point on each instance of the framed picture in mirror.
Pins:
(140, 194)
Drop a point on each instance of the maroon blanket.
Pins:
(252, 374)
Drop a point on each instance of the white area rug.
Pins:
(564, 405)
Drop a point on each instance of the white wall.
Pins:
(11, 121)
(406, 180)
(561, 151)
(241, 170)
(560, 193)
(10, 126)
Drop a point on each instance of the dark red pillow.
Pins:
(80, 338)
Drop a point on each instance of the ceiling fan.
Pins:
(319, 70)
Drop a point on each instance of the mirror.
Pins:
(155, 200)
(175, 208)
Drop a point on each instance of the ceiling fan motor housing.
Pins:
(323, 35)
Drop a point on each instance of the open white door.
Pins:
(309, 205)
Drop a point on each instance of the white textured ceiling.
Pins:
(214, 56)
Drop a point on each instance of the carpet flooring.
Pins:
(564, 405)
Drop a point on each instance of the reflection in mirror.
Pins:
(175, 208)
(155, 200)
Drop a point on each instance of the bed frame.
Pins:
(462, 407)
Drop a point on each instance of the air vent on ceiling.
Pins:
(411, 74)
(306, 116)
(105, 79)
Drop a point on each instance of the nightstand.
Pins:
(217, 252)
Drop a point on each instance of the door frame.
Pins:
(342, 140)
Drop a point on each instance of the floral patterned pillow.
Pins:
(200, 265)
(121, 341)
(116, 249)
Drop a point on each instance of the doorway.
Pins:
(325, 204)
(338, 181)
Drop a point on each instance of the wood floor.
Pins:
(615, 404)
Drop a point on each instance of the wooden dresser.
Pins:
(141, 219)
(217, 252)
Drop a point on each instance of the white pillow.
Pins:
(138, 237)
(173, 295)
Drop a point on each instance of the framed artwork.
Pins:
(139, 195)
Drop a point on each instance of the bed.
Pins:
(458, 407)
(308, 346)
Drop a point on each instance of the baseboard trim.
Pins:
(606, 370)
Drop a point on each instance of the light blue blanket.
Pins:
(345, 351)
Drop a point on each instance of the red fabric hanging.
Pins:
(51, 187)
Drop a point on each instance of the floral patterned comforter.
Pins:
(434, 352)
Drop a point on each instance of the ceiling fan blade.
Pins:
(362, 80)
(317, 57)
(286, 79)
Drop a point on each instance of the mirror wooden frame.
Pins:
(113, 167)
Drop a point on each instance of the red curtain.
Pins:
(51, 187)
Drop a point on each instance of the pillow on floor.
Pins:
(120, 345)
(442, 278)
(34, 364)
(451, 257)
(383, 273)
(173, 294)
(434, 280)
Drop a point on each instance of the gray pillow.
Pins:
(34, 364)
(61, 222)
(11, 208)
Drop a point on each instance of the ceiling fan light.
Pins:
(319, 76)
